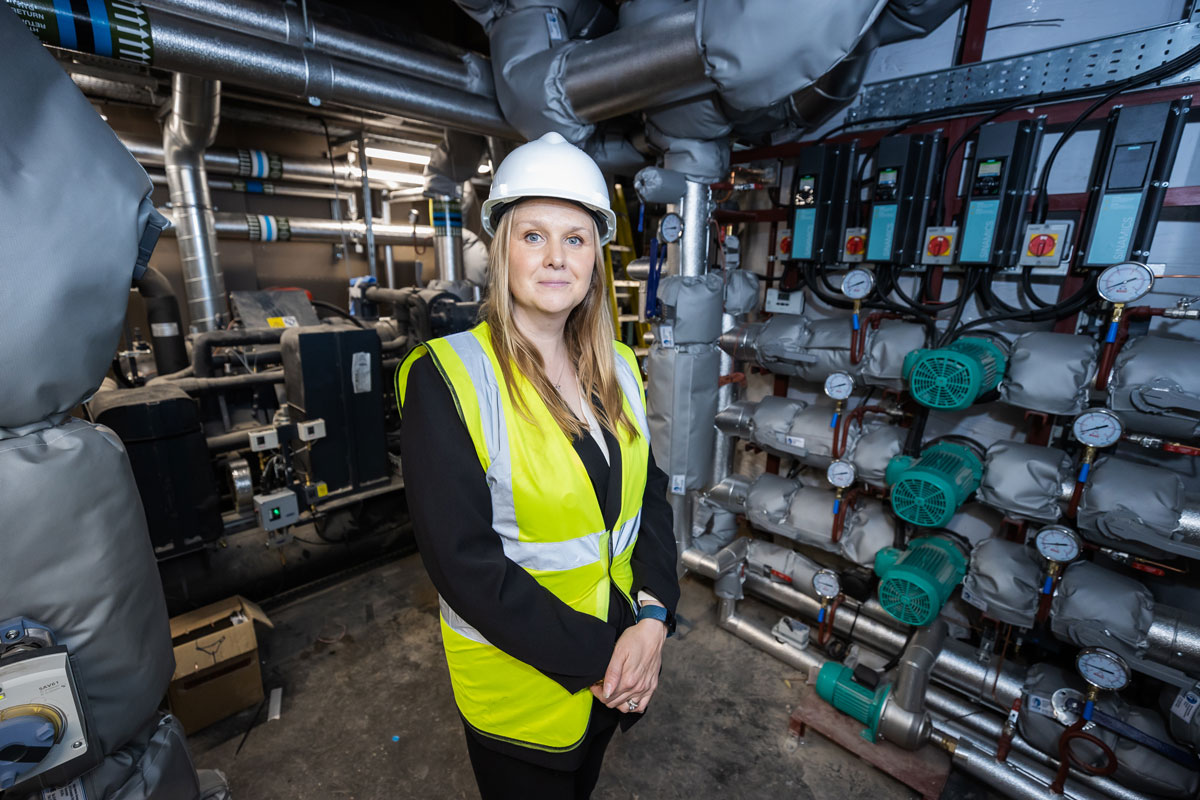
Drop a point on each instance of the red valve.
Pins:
(938, 245)
(855, 245)
(1043, 245)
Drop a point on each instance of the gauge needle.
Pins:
(1097, 428)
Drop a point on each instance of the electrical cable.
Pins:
(341, 312)
(939, 208)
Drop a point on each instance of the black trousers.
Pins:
(504, 777)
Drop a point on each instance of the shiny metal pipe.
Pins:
(270, 189)
(1018, 777)
(621, 72)
(305, 229)
(189, 128)
(389, 258)
(284, 22)
(723, 443)
(736, 419)
(728, 618)
(1189, 519)
(1174, 639)
(681, 511)
(447, 239)
(693, 246)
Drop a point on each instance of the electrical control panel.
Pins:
(1129, 181)
(905, 168)
(998, 182)
(277, 509)
(820, 192)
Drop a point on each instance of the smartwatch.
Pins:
(650, 611)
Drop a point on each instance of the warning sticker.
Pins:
(72, 791)
(360, 372)
(283, 322)
(974, 600)
(1040, 705)
(666, 335)
(111, 28)
(1185, 705)
(678, 484)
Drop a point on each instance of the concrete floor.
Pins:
(368, 713)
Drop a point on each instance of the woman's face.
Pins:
(551, 255)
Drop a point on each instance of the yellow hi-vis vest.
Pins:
(544, 510)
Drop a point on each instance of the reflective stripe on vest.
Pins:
(558, 537)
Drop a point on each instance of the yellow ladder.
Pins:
(624, 253)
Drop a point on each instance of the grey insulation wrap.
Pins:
(813, 349)
(741, 292)
(805, 514)
(883, 360)
(1025, 480)
(1128, 608)
(54, 138)
(692, 306)
(154, 766)
(1150, 362)
(658, 185)
(1004, 581)
(1128, 501)
(1050, 372)
(681, 401)
(91, 545)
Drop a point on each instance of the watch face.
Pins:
(839, 386)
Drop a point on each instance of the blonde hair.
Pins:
(589, 338)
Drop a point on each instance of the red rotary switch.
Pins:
(1042, 245)
(938, 245)
(785, 245)
(855, 245)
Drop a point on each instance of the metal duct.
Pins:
(284, 22)
(189, 129)
(265, 228)
(222, 54)
(262, 164)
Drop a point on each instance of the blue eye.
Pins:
(533, 237)
(575, 240)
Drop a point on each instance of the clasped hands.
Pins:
(632, 673)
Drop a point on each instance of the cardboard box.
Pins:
(217, 672)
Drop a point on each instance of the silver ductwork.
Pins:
(189, 129)
(269, 228)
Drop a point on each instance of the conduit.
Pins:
(269, 228)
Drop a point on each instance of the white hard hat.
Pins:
(550, 167)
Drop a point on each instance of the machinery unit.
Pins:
(1129, 181)
(928, 490)
(905, 167)
(822, 189)
(836, 686)
(916, 582)
(997, 197)
(953, 377)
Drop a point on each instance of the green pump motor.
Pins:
(915, 583)
(836, 686)
(926, 491)
(953, 377)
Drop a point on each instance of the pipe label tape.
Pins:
(1185, 705)
(161, 330)
(259, 164)
(110, 28)
(263, 228)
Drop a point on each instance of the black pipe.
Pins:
(166, 325)
(204, 385)
(203, 346)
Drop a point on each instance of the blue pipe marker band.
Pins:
(1112, 332)
(641, 217)
(837, 505)
(833, 422)
(1083, 472)
(855, 320)
(1048, 585)
(1088, 708)
(821, 615)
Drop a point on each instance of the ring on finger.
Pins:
(633, 705)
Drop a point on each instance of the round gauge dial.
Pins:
(670, 228)
(840, 474)
(1103, 669)
(1056, 543)
(827, 584)
(1098, 427)
(1125, 283)
(857, 284)
(839, 386)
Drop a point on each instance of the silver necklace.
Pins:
(558, 384)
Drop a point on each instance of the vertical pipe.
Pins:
(189, 129)
(446, 215)
(723, 445)
(389, 257)
(366, 205)
(693, 247)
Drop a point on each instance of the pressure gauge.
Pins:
(857, 284)
(839, 386)
(1098, 427)
(670, 228)
(826, 584)
(1056, 543)
(840, 474)
(1103, 669)
(1125, 283)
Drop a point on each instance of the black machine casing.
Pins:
(905, 167)
(334, 373)
(820, 193)
(160, 426)
(1129, 181)
(1000, 180)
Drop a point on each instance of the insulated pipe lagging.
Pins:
(166, 325)
(916, 666)
(189, 129)
(1174, 639)
(270, 228)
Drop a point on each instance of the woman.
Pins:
(539, 512)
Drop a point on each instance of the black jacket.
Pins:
(451, 510)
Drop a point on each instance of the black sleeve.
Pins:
(451, 511)
(654, 557)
